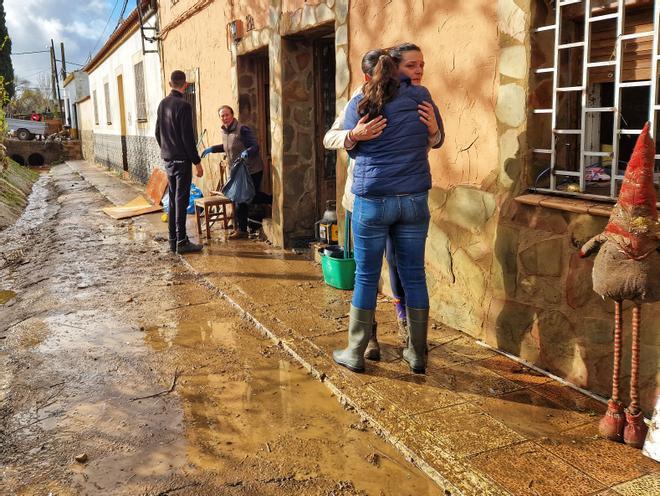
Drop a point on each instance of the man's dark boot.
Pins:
(172, 245)
(186, 246)
(373, 348)
(415, 354)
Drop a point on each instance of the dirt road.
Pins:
(111, 353)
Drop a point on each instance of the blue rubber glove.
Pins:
(207, 151)
(244, 154)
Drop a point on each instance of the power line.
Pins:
(121, 15)
(74, 63)
(30, 53)
(103, 32)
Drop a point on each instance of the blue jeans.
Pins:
(406, 220)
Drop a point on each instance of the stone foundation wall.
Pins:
(72, 149)
(87, 142)
(548, 312)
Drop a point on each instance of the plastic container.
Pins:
(339, 272)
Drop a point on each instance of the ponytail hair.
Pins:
(383, 85)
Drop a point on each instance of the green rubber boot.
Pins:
(360, 323)
(373, 348)
(415, 353)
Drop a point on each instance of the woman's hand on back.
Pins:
(365, 131)
(427, 116)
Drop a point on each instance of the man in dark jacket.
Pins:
(175, 136)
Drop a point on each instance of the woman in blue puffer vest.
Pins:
(391, 179)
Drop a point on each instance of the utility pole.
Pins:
(57, 84)
(63, 61)
(53, 73)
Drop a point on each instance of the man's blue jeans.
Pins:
(406, 219)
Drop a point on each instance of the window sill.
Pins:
(574, 205)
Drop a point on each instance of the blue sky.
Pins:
(83, 26)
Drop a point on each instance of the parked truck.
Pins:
(26, 130)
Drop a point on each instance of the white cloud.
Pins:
(33, 23)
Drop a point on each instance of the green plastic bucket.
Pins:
(340, 272)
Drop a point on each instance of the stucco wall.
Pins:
(199, 47)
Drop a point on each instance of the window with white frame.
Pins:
(594, 84)
(96, 107)
(140, 94)
(108, 113)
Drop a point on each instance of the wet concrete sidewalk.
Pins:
(477, 423)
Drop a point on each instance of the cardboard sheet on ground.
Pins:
(143, 205)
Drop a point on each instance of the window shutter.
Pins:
(140, 94)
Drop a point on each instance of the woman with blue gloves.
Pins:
(391, 179)
(238, 140)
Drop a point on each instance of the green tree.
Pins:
(6, 67)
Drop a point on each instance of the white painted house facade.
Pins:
(125, 83)
(76, 88)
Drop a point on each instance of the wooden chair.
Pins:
(213, 208)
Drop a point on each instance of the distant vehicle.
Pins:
(25, 129)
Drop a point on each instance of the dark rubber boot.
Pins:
(415, 354)
(186, 246)
(373, 348)
(172, 245)
(359, 330)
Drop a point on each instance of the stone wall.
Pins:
(295, 187)
(33, 152)
(547, 312)
(298, 165)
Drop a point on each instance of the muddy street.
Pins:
(121, 374)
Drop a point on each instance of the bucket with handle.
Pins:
(339, 268)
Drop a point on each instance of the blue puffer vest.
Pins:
(395, 163)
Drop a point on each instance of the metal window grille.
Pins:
(191, 97)
(96, 108)
(140, 95)
(584, 158)
(108, 113)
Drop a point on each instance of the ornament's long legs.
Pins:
(634, 362)
(618, 327)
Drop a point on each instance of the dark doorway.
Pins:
(308, 111)
(254, 105)
(324, 113)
